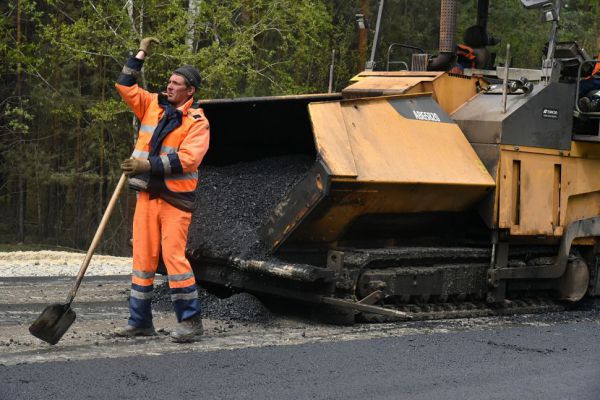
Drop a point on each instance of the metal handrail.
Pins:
(403, 63)
(406, 46)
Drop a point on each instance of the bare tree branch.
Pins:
(104, 19)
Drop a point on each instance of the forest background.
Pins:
(64, 131)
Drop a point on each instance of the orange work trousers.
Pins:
(159, 227)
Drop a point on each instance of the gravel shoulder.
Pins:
(59, 263)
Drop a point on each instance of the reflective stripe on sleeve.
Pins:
(130, 71)
(168, 150)
(147, 128)
(166, 165)
(183, 177)
(140, 154)
(138, 184)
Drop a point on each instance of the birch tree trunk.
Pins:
(129, 6)
(362, 37)
(193, 12)
(130, 13)
(78, 184)
(21, 178)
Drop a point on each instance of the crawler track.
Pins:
(421, 312)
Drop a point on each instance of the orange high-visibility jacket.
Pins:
(466, 56)
(174, 157)
(596, 70)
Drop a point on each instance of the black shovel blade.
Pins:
(52, 324)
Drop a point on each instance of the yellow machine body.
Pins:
(386, 155)
(450, 91)
(397, 151)
(541, 191)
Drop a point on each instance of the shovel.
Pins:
(56, 319)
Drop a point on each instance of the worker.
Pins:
(589, 89)
(173, 138)
(473, 53)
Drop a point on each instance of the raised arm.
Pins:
(134, 96)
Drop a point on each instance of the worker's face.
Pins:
(177, 93)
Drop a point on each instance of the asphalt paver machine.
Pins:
(424, 193)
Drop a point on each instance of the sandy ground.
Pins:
(59, 263)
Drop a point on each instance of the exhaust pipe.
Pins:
(482, 14)
(447, 47)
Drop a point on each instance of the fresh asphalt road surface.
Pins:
(537, 361)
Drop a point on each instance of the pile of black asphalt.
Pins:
(239, 307)
(235, 201)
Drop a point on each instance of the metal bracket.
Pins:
(497, 292)
(335, 261)
(588, 227)
(365, 308)
(372, 298)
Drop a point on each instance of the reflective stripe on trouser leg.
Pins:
(140, 303)
(185, 302)
(174, 230)
(146, 247)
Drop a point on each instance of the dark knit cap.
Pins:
(476, 37)
(191, 74)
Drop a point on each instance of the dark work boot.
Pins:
(189, 330)
(132, 331)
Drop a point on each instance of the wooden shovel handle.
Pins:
(88, 257)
